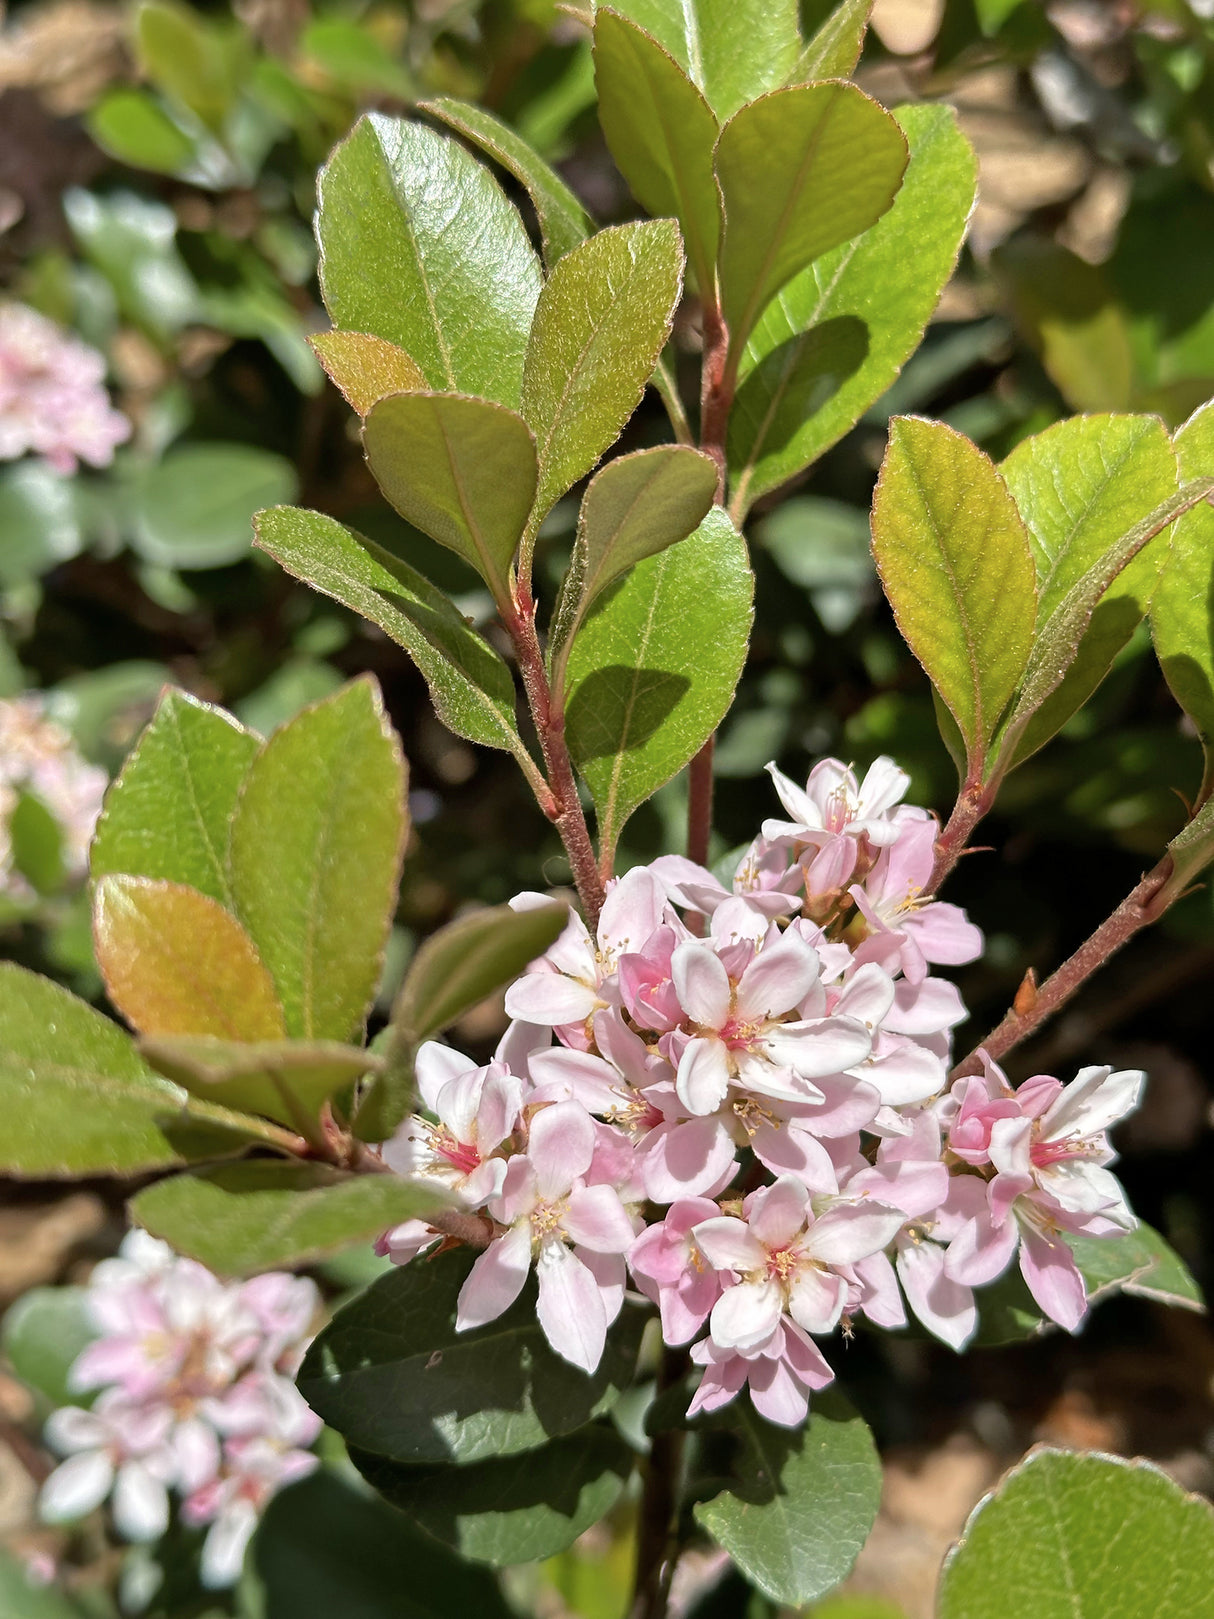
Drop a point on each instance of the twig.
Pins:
(973, 802)
(657, 1515)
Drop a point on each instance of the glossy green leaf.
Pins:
(267, 1214)
(462, 470)
(562, 220)
(282, 1079)
(366, 368)
(835, 338)
(802, 1501)
(194, 509)
(393, 1376)
(176, 962)
(471, 687)
(325, 1549)
(420, 246)
(168, 813)
(835, 49)
(661, 133)
(510, 1509)
(635, 507)
(316, 850)
(733, 50)
(601, 323)
(1085, 1537)
(453, 971)
(43, 1332)
(955, 562)
(1182, 614)
(643, 693)
(133, 127)
(1079, 486)
(77, 1097)
(831, 163)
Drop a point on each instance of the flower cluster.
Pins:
(196, 1397)
(52, 394)
(753, 1116)
(38, 757)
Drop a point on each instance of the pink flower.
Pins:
(765, 879)
(117, 1448)
(477, 1111)
(670, 1269)
(781, 1375)
(52, 394)
(906, 932)
(574, 1233)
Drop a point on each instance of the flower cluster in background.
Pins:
(753, 1116)
(53, 400)
(38, 757)
(196, 1398)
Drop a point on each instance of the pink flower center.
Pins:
(1043, 1153)
(461, 1154)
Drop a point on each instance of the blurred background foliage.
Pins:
(156, 188)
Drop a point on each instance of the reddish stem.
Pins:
(973, 802)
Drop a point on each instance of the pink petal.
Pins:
(778, 1212)
(851, 1231)
(550, 998)
(729, 1244)
(785, 1150)
(436, 1064)
(816, 1299)
(777, 1395)
(560, 1146)
(685, 1159)
(495, 1280)
(570, 1308)
(981, 1251)
(944, 1306)
(1053, 1278)
(595, 1219)
(632, 910)
(702, 985)
(819, 1046)
(1093, 1101)
(746, 1315)
(702, 1082)
(778, 979)
(611, 1276)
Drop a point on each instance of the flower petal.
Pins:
(76, 1487)
(746, 1315)
(851, 1231)
(495, 1280)
(1053, 1278)
(596, 1219)
(570, 1309)
(702, 1082)
(729, 1244)
(560, 1146)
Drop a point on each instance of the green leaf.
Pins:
(802, 1502)
(393, 1376)
(601, 324)
(1092, 1537)
(76, 1096)
(43, 1332)
(835, 49)
(1079, 486)
(462, 470)
(133, 127)
(510, 1509)
(316, 851)
(420, 246)
(186, 59)
(366, 368)
(21, 1598)
(454, 970)
(1191, 851)
(562, 220)
(325, 1549)
(40, 520)
(168, 813)
(955, 562)
(131, 240)
(194, 509)
(635, 507)
(36, 844)
(643, 697)
(176, 962)
(661, 133)
(1057, 644)
(279, 1078)
(831, 163)
(239, 1219)
(1181, 619)
(733, 50)
(818, 358)
(471, 687)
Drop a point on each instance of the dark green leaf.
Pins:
(954, 558)
(733, 50)
(803, 1500)
(462, 470)
(835, 49)
(831, 163)
(510, 1509)
(419, 246)
(562, 220)
(600, 325)
(44, 1330)
(168, 813)
(818, 358)
(316, 850)
(325, 1550)
(279, 1078)
(643, 697)
(393, 1376)
(1182, 615)
(366, 368)
(661, 132)
(133, 127)
(195, 508)
(1091, 1537)
(471, 687)
(240, 1219)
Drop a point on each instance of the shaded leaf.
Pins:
(239, 1219)
(366, 368)
(462, 470)
(185, 58)
(831, 162)
(420, 246)
(562, 220)
(252, 1076)
(393, 1376)
(168, 813)
(1182, 614)
(175, 962)
(36, 844)
(316, 850)
(601, 323)
(1070, 315)
(21, 1597)
(835, 49)
(43, 1332)
(643, 696)
(194, 508)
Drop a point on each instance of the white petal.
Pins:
(703, 1077)
(851, 1231)
(141, 1503)
(1093, 1101)
(224, 1548)
(746, 1315)
(76, 1487)
(729, 1244)
(702, 984)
